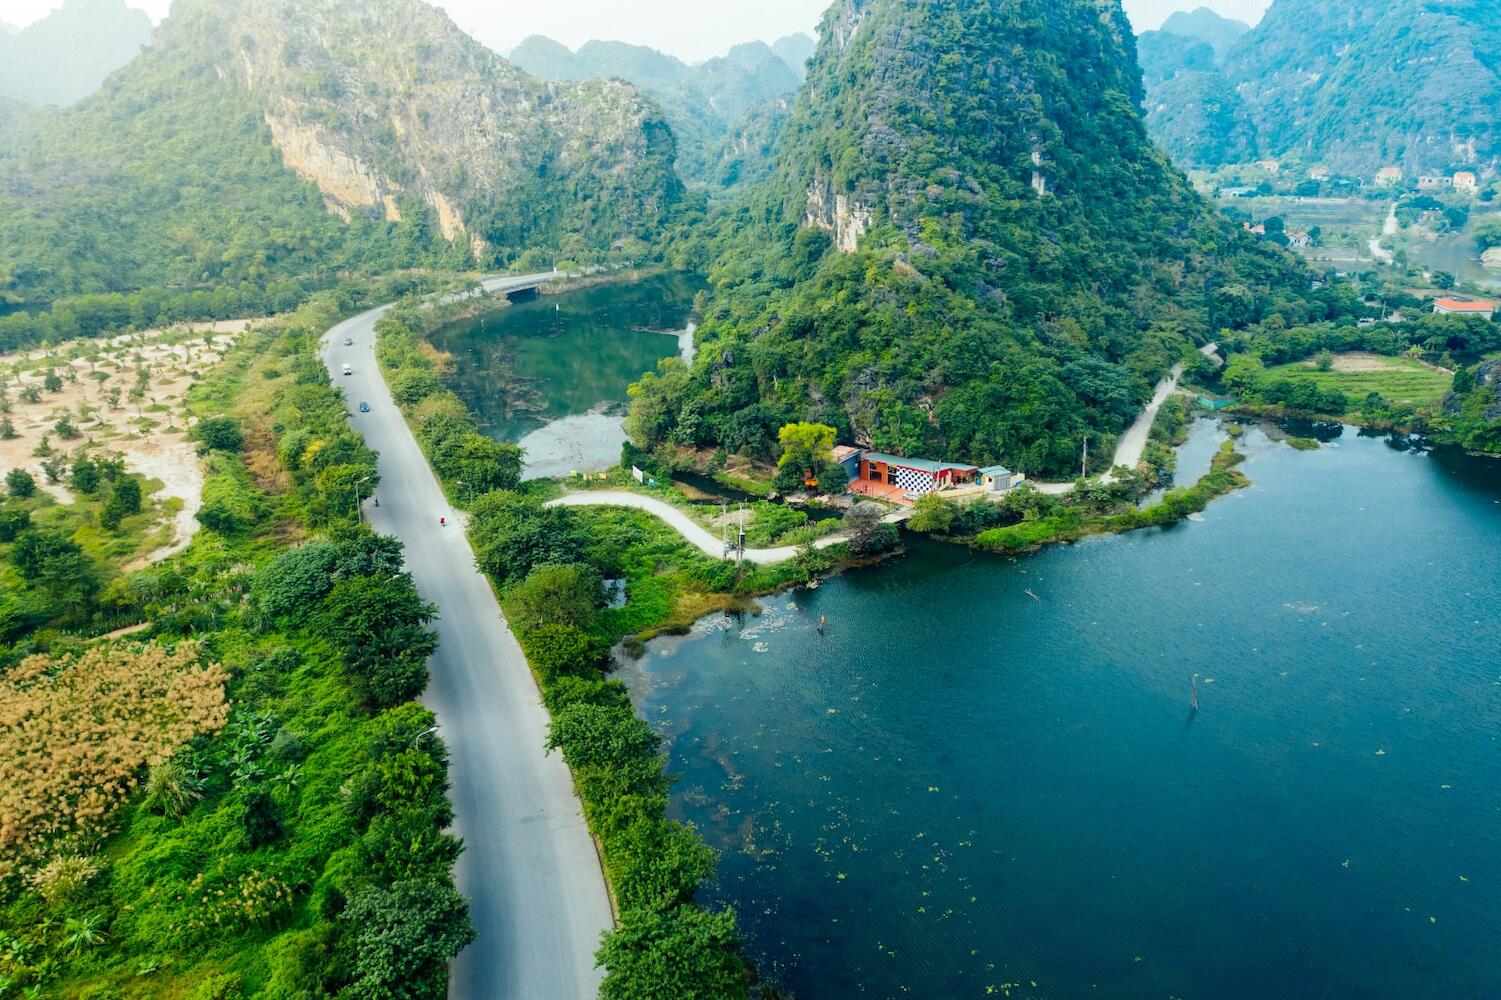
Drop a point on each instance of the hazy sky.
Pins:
(690, 29)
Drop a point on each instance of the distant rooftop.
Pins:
(920, 464)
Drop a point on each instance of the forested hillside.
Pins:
(719, 110)
(66, 55)
(969, 248)
(257, 139)
(1354, 85)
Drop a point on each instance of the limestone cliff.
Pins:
(385, 103)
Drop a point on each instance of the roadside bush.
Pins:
(380, 628)
(557, 651)
(569, 595)
(685, 953)
(404, 937)
(219, 433)
(512, 534)
(658, 864)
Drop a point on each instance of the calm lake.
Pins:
(552, 373)
(961, 790)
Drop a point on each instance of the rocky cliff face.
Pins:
(386, 103)
(1358, 86)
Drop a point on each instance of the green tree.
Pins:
(683, 953)
(219, 433)
(56, 565)
(932, 515)
(569, 594)
(512, 533)
(380, 628)
(404, 938)
(20, 484)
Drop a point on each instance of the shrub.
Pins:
(512, 534)
(557, 595)
(404, 938)
(63, 879)
(557, 651)
(685, 953)
(20, 484)
(260, 818)
(380, 628)
(172, 789)
(219, 433)
(658, 864)
(13, 521)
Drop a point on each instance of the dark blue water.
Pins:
(961, 790)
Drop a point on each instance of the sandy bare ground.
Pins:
(123, 394)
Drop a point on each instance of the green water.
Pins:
(552, 373)
(961, 787)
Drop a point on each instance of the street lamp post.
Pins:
(358, 510)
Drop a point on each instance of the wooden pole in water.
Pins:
(1193, 695)
(822, 620)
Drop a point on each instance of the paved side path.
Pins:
(529, 869)
(696, 534)
(1133, 442)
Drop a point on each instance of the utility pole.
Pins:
(1084, 465)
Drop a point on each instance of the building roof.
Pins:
(1464, 305)
(995, 471)
(1389, 172)
(920, 464)
(1467, 175)
(845, 451)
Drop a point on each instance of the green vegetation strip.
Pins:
(250, 804)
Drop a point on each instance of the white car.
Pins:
(348, 341)
(348, 370)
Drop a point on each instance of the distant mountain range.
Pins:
(260, 139)
(722, 111)
(66, 55)
(1349, 84)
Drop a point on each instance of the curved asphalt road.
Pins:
(529, 868)
(691, 530)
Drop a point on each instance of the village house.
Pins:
(1461, 305)
(1465, 181)
(1270, 166)
(1299, 241)
(1319, 174)
(912, 477)
(999, 479)
(1257, 230)
(1388, 176)
(1430, 182)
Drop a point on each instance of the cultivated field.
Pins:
(1401, 381)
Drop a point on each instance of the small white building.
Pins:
(1299, 241)
(1388, 176)
(1465, 181)
(1431, 182)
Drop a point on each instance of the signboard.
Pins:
(640, 476)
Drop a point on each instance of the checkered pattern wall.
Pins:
(912, 481)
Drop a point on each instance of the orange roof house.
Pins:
(1454, 305)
